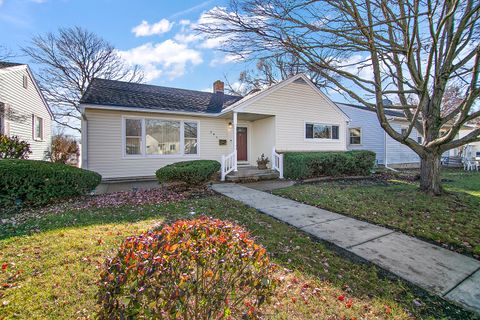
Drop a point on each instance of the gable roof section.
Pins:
(356, 106)
(249, 99)
(154, 98)
(5, 65)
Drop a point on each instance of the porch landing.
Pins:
(251, 173)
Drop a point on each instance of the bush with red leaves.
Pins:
(193, 269)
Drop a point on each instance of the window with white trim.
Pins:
(25, 81)
(133, 136)
(160, 137)
(37, 128)
(190, 137)
(2, 118)
(355, 135)
(314, 131)
(420, 139)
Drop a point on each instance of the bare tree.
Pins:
(378, 49)
(271, 70)
(5, 53)
(69, 60)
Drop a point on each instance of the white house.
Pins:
(131, 130)
(365, 133)
(23, 109)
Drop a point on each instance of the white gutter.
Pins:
(84, 139)
(134, 109)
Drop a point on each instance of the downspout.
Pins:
(386, 154)
(84, 140)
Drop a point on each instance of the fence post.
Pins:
(280, 165)
(235, 165)
(273, 158)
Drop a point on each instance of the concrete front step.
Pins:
(249, 173)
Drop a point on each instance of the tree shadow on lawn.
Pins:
(288, 246)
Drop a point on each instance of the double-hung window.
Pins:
(150, 137)
(133, 136)
(190, 137)
(314, 131)
(2, 118)
(355, 135)
(37, 128)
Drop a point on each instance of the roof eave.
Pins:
(84, 106)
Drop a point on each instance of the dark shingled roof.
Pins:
(5, 64)
(387, 112)
(149, 97)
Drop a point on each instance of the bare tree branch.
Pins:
(369, 49)
(69, 60)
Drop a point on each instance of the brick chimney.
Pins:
(218, 86)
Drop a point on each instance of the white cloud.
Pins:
(168, 58)
(226, 58)
(146, 29)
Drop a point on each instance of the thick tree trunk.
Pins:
(430, 180)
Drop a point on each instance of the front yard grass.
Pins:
(51, 261)
(452, 220)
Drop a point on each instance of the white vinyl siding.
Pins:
(23, 105)
(105, 152)
(397, 152)
(293, 106)
(373, 136)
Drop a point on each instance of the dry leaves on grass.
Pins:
(298, 297)
(117, 199)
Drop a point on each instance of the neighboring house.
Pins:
(365, 133)
(23, 109)
(131, 130)
(470, 151)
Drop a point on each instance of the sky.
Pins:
(156, 34)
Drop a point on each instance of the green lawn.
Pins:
(452, 220)
(52, 264)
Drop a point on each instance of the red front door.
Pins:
(242, 144)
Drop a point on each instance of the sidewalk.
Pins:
(445, 273)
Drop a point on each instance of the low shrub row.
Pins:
(304, 165)
(32, 183)
(193, 172)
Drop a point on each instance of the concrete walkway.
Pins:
(443, 272)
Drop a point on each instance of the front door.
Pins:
(242, 144)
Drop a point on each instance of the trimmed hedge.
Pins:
(194, 172)
(304, 165)
(32, 183)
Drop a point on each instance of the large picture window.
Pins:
(160, 137)
(321, 131)
(355, 135)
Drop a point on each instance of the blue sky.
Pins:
(156, 34)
